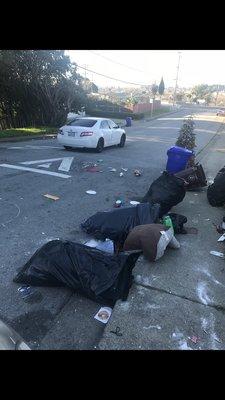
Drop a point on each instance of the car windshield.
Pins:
(83, 122)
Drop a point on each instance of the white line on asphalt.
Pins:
(66, 164)
(45, 165)
(39, 171)
(28, 147)
(162, 127)
(41, 161)
(41, 147)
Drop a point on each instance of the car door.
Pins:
(107, 132)
(115, 132)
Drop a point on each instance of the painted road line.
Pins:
(162, 127)
(39, 171)
(41, 161)
(66, 164)
(28, 147)
(45, 165)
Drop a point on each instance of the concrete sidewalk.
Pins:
(178, 302)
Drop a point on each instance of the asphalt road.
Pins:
(56, 318)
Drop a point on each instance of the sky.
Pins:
(148, 66)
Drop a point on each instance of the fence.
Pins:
(146, 107)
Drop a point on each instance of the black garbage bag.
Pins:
(116, 224)
(194, 177)
(178, 221)
(167, 190)
(216, 191)
(100, 276)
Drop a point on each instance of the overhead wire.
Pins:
(110, 77)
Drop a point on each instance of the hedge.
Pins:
(110, 114)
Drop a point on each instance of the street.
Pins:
(58, 318)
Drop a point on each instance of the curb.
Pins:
(159, 115)
(212, 140)
(24, 138)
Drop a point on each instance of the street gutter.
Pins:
(29, 137)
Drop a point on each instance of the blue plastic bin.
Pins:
(128, 121)
(177, 159)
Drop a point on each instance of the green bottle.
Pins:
(168, 222)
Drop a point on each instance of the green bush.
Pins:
(110, 114)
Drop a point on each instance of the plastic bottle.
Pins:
(168, 222)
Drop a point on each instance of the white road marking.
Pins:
(39, 171)
(40, 161)
(162, 127)
(45, 165)
(66, 164)
(28, 147)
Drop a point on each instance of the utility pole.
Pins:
(217, 95)
(175, 89)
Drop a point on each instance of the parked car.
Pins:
(90, 132)
(220, 112)
(10, 340)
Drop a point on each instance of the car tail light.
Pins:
(86, 134)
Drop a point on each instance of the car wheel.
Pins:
(68, 147)
(122, 140)
(100, 145)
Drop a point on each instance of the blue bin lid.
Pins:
(179, 150)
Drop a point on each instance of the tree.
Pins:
(154, 90)
(161, 88)
(38, 87)
(186, 136)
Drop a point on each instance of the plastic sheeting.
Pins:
(167, 190)
(100, 276)
(116, 224)
(216, 191)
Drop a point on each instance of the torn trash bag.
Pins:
(97, 275)
(116, 224)
(216, 191)
(167, 190)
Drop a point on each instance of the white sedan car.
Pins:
(90, 132)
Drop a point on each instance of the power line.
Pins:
(116, 62)
(114, 79)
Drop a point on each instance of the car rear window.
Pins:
(83, 122)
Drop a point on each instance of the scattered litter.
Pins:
(118, 204)
(124, 169)
(50, 196)
(117, 331)
(191, 202)
(137, 172)
(103, 314)
(100, 161)
(194, 339)
(222, 238)
(217, 253)
(134, 203)
(196, 194)
(93, 168)
(91, 192)
(112, 170)
(121, 174)
(207, 219)
(107, 245)
(42, 233)
(25, 291)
